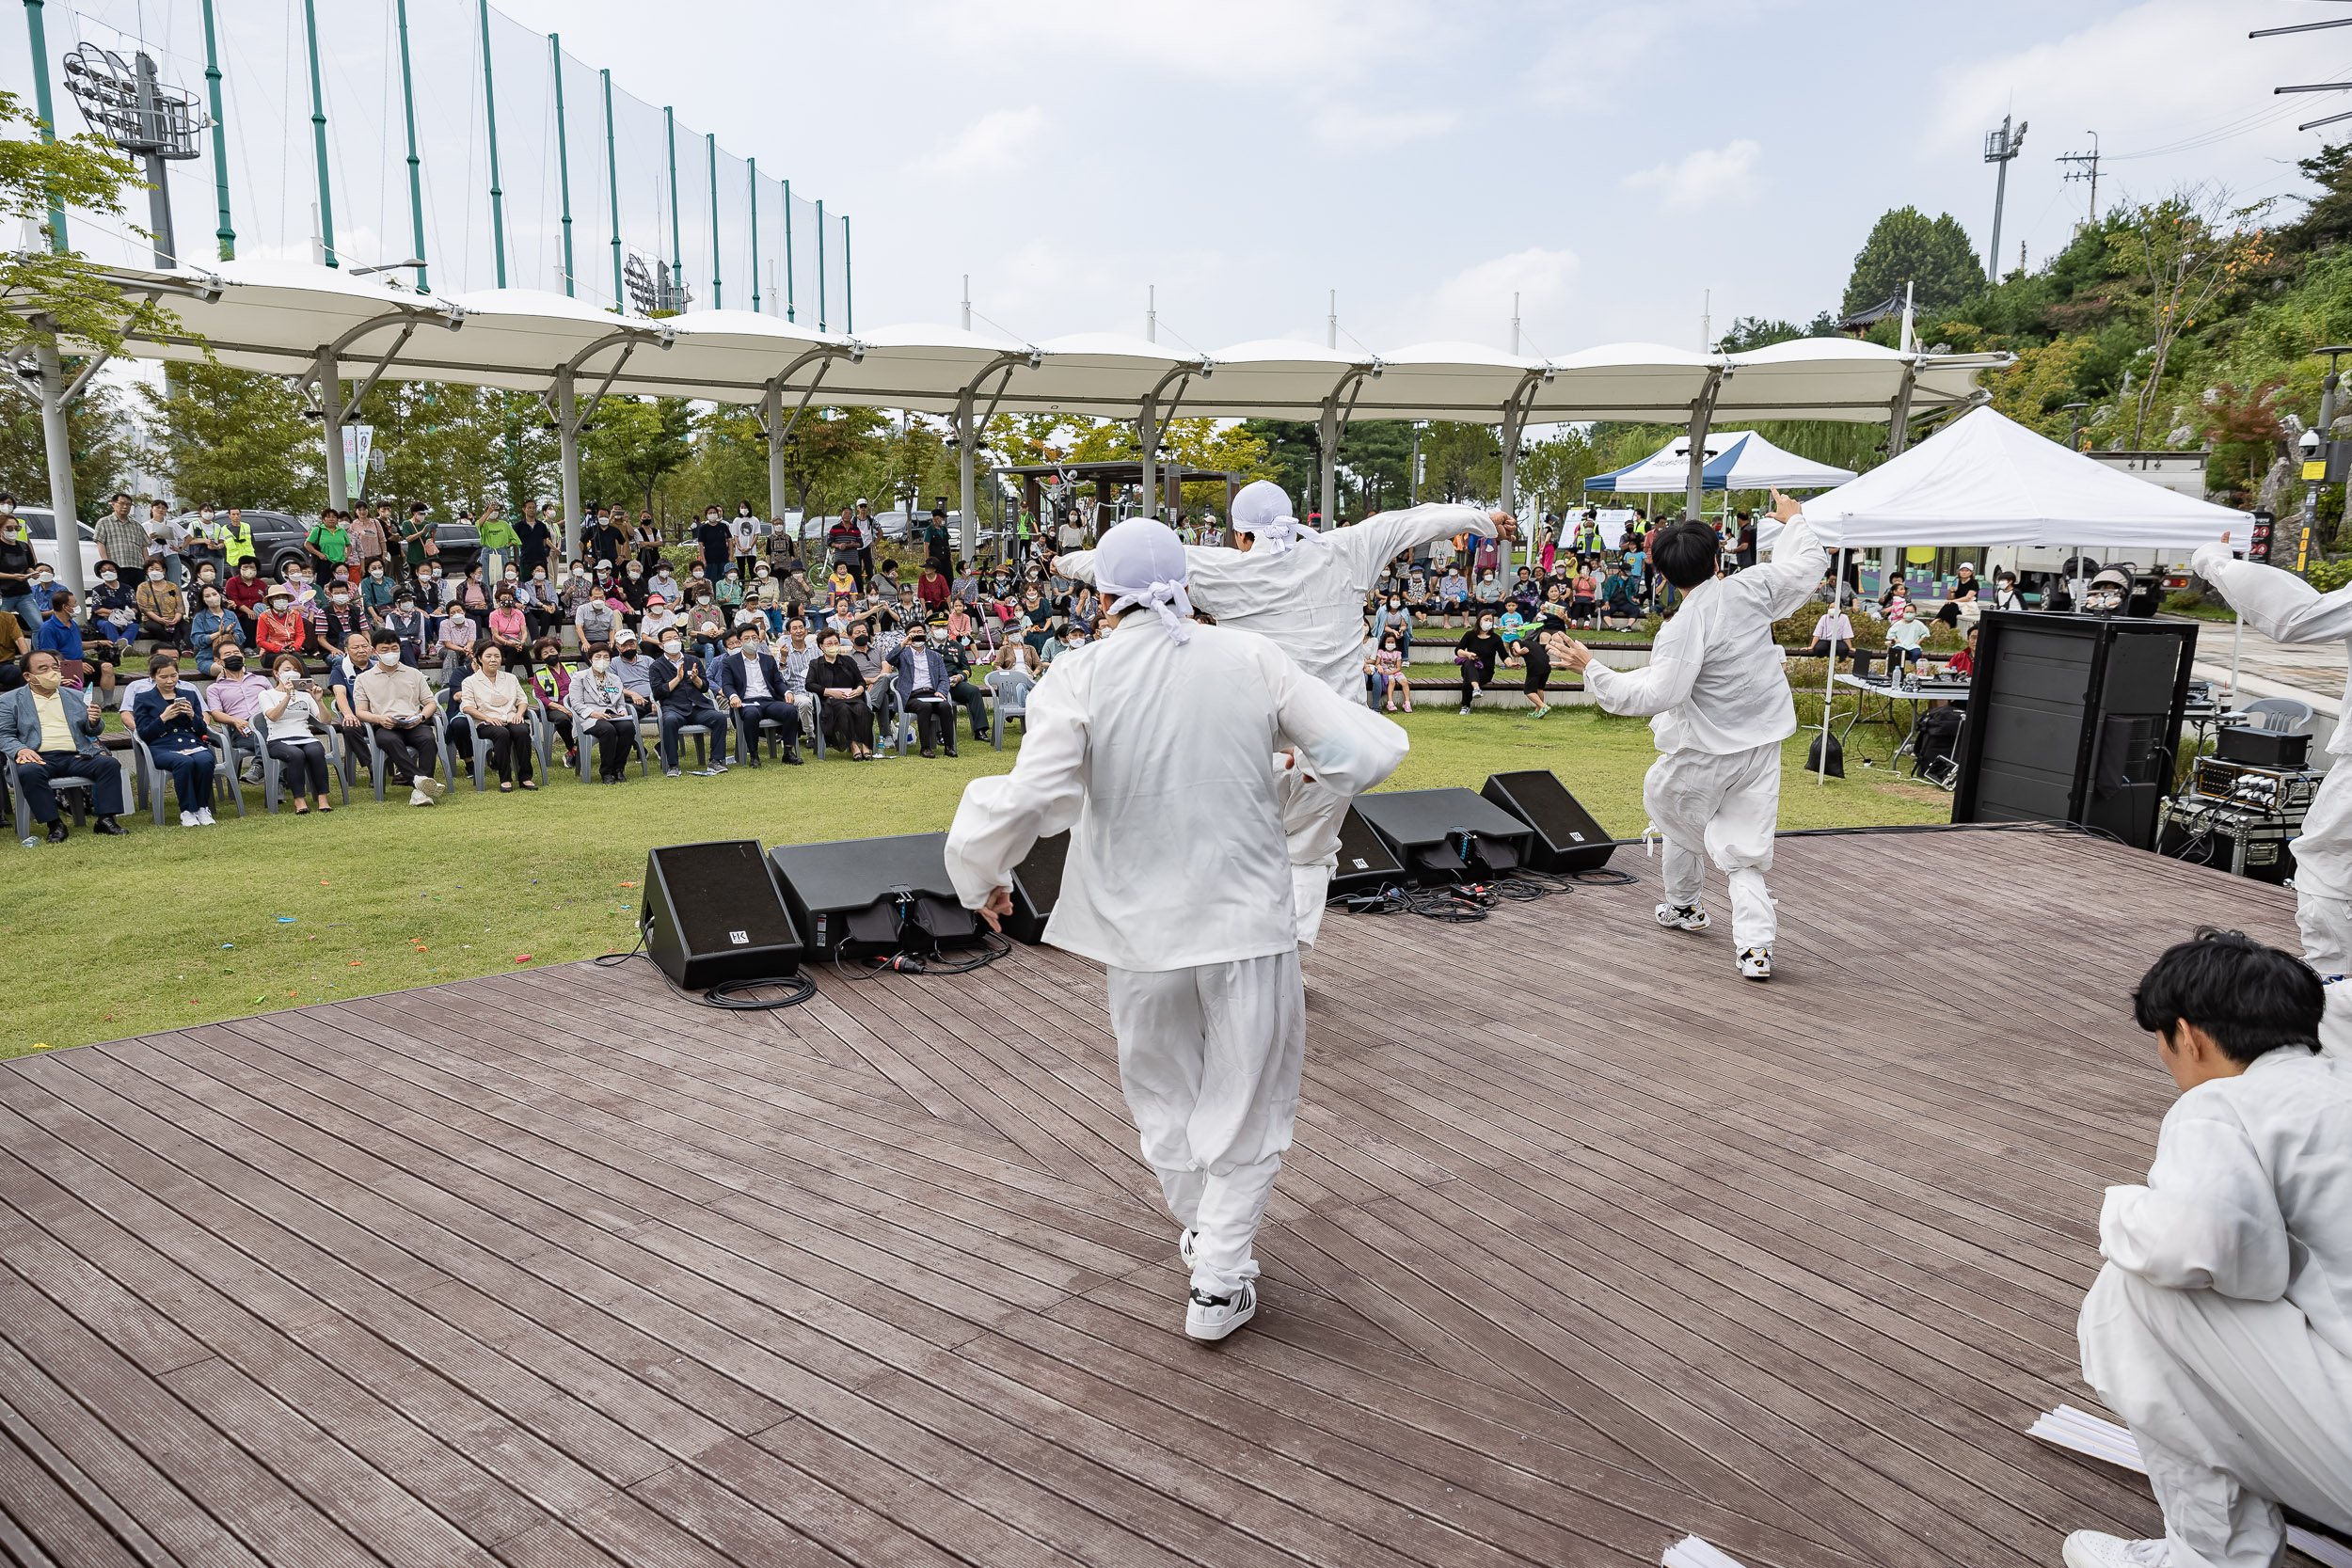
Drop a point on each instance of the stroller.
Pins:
(1934, 747)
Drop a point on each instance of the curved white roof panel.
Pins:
(277, 315)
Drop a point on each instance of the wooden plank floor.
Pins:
(1585, 1244)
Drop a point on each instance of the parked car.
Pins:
(461, 545)
(278, 538)
(42, 523)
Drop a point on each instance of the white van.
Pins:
(43, 524)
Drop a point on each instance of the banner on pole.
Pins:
(358, 446)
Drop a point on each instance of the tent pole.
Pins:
(2237, 644)
(1829, 679)
(331, 427)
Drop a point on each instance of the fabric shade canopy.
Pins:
(1987, 479)
(1736, 460)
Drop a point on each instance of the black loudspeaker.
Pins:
(1365, 862)
(2073, 718)
(1037, 888)
(865, 897)
(1567, 837)
(713, 912)
(2262, 747)
(1443, 835)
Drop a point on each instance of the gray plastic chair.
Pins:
(1000, 710)
(2288, 715)
(73, 794)
(378, 771)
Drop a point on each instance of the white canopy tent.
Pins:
(1987, 479)
(328, 327)
(1733, 460)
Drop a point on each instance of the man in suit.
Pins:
(684, 695)
(49, 732)
(923, 683)
(753, 686)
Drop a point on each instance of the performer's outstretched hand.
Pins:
(1784, 509)
(998, 906)
(1508, 524)
(1577, 657)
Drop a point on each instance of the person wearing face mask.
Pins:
(58, 634)
(498, 542)
(656, 622)
(1478, 655)
(542, 609)
(795, 654)
(535, 536)
(16, 563)
(114, 611)
(743, 538)
(752, 686)
(234, 705)
(288, 709)
(646, 540)
(602, 708)
(510, 633)
(246, 591)
(282, 627)
(551, 682)
(839, 687)
(340, 616)
(684, 692)
(49, 732)
(163, 609)
(665, 583)
(343, 677)
(922, 679)
(377, 590)
(170, 722)
(713, 543)
(237, 540)
(394, 701)
(499, 707)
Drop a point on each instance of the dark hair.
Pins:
(386, 640)
(2248, 998)
(61, 599)
(162, 659)
(1686, 553)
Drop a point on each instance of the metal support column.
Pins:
(318, 131)
(331, 427)
(789, 312)
(751, 205)
(1327, 454)
(491, 115)
(612, 194)
(563, 157)
(41, 105)
(1702, 414)
(771, 412)
(161, 229)
(58, 437)
(677, 243)
(718, 287)
(567, 436)
(820, 265)
(967, 497)
(848, 282)
(225, 235)
(415, 170)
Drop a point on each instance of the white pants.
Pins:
(2323, 900)
(2237, 1406)
(1724, 807)
(1312, 814)
(1209, 1059)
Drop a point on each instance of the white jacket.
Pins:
(2283, 607)
(1715, 681)
(1153, 755)
(2251, 1194)
(1309, 599)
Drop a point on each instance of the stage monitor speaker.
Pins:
(1037, 888)
(1365, 862)
(1445, 835)
(713, 912)
(865, 897)
(1567, 837)
(2073, 718)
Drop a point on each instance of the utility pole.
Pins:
(2087, 167)
(2000, 147)
(139, 114)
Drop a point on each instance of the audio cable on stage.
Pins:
(727, 996)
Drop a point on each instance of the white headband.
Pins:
(1262, 508)
(1142, 562)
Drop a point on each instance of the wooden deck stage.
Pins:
(1585, 1244)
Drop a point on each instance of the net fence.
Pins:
(501, 160)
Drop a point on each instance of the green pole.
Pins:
(416, 165)
(677, 247)
(490, 115)
(820, 263)
(318, 130)
(563, 158)
(711, 151)
(750, 167)
(848, 295)
(789, 314)
(225, 235)
(612, 186)
(48, 114)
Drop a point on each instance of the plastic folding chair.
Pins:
(273, 771)
(1000, 710)
(72, 793)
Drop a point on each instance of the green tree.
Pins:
(2327, 219)
(631, 446)
(1294, 456)
(2186, 251)
(1552, 472)
(54, 294)
(1905, 246)
(97, 428)
(1379, 453)
(236, 438)
(1464, 462)
(824, 451)
(458, 449)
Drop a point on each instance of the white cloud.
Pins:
(1296, 41)
(1597, 59)
(1703, 178)
(993, 143)
(1474, 305)
(1349, 129)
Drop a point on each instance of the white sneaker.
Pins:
(433, 789)
(189, 819)
(204, 816)
(1682, 917)
(1756, 963)
(1215, 1317)
(417, 797)
(2089, 1549)
(1188, 1248)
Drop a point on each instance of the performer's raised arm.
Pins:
(2279, 604)
(1345, 745)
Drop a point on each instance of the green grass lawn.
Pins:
(173, 927)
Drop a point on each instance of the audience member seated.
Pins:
(289, 709)
(1833, 635)
(343, 613)
(215, 620)
(509, 631)
(245, 591)
(552, 683)
(459, 633)
(163, 609)
(51, 733)
(1477, 657)
(839, 687)
(603, 706)
(753, 685)
(114, 611)
(235, 701)
(684, 692)
(2220, 1327)
(342, 672)
(922, 680)
(168, 720)
(16, 640)
(1963, 603)
(500, 711)
(283, 627)
(957, 651)
(397, 704)
(411, 627)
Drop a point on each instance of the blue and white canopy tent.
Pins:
(1734, 460)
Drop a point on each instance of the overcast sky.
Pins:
(1607, 163)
